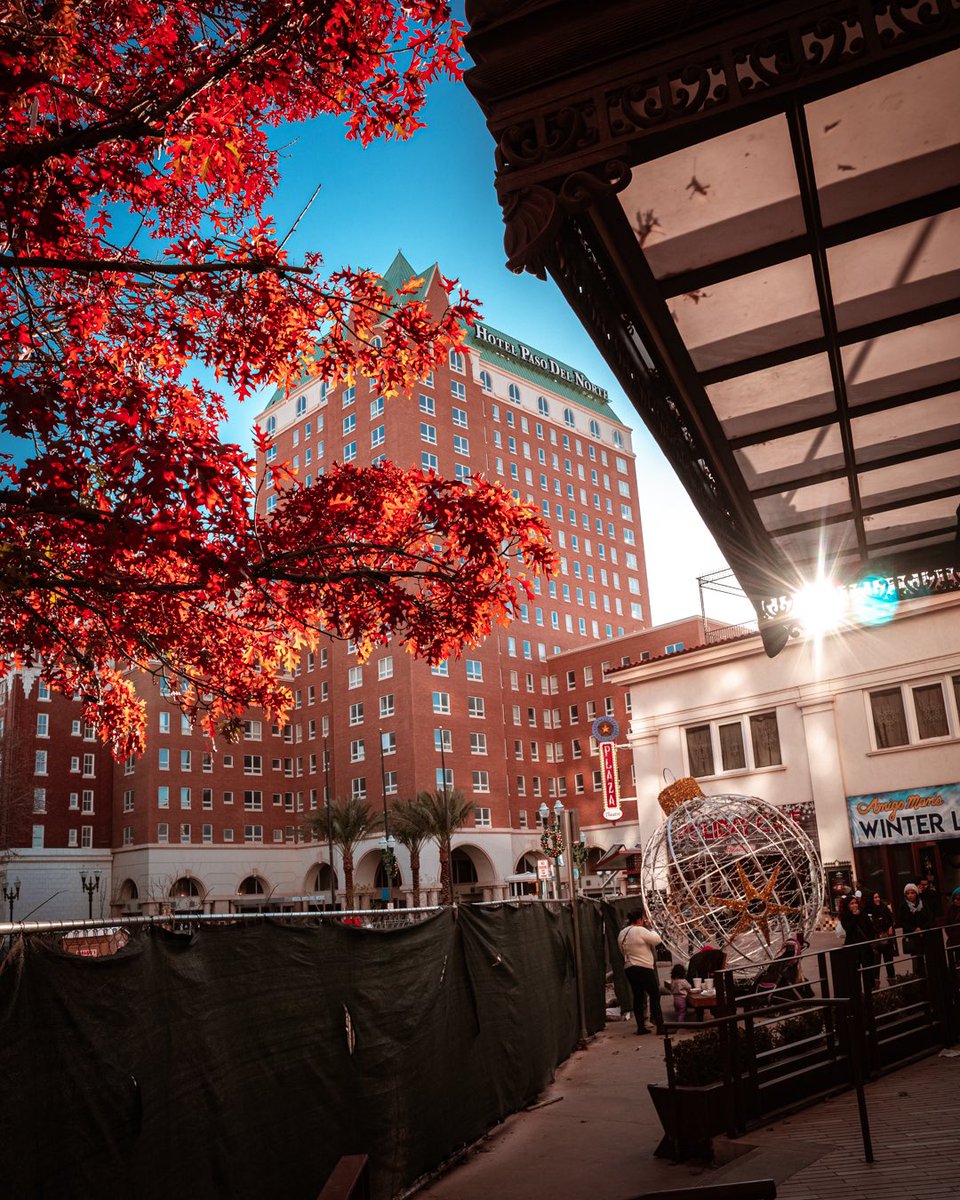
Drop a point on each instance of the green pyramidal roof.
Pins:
(497, 348)
(396, 275)
(400, 272)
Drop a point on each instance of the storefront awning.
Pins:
(755, 211)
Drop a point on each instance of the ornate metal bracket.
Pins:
(534, 215)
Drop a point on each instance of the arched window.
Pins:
(568, 418)
(486, 381)
(271, 426)
(128, 891)
(184, 888)
(526, 864)
(618, 438)
(594, 428)
(514, 393)
(543, 408)
(376, 343)
(456, 362)
(251, 886)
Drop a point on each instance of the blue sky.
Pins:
(433, 198)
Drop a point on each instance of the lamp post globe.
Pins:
(90, 883)
(11, 893)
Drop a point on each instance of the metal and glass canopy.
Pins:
(754, 208)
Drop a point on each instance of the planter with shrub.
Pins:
(694, 1112)
(699, 1107)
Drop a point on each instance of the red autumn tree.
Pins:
(135, 174)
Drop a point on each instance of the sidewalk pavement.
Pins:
(594, 1130)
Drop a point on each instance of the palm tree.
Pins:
(410, 824)
(446, 812)
(350, 821)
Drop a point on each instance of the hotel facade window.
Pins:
(737, 744)
(916, 712)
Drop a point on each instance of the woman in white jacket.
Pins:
(638, 944)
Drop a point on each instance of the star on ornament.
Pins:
(755, 905)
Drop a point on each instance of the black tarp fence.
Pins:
(244, 1060)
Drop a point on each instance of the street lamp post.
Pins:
(388, 843)
(11, 893)
(569, 823)
(388, 846)
(551, 840)
(443, 761)
(90, 882)
(326, 784)
(578, 852)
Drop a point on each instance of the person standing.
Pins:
(930, 897)
(914, 916)
(881, 919)
(860, 933)
(638, 943)
(680, 989)
(951, 923)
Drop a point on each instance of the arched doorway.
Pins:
(321, 879)
(380, 877)
(523, 881)
(252, 894)
(321, 885)
(464, 877)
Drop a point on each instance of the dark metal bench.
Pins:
(753, 1189)
(350, 1180)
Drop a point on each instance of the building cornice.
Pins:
(807, 695)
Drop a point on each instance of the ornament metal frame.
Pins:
(729, 871)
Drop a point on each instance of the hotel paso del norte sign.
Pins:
(605, 731)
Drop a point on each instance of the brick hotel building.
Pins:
(508, 724)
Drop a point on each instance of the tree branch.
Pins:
(97, 266)
(143, 125)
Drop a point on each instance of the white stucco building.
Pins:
(865, 724)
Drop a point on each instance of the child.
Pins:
(680, 988)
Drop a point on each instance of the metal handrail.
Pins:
(784, 1007)
(188, 916)
(184, 918)
(857, 1054)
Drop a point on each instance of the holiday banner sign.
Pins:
(913, 815)
(746, 831)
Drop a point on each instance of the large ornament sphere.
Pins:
(729, 871)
